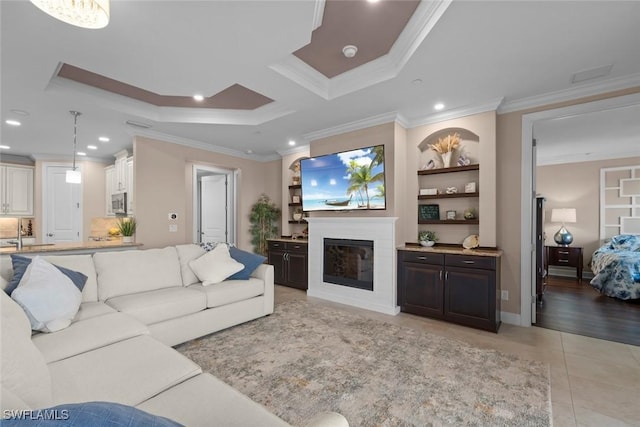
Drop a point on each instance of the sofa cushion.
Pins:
(23, 370)
(215, 266)
(127, 372)
(48, 297)
(92, 309)
(162, 304)
(87, 335)
(230, 291)
(82, 263)
(21, 263)
(128, 272)
(188, 253)
(249, 260)
(191, 404)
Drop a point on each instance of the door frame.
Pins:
(527, 188)
(45, 198)
(232, 185)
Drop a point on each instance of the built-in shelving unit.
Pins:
(473, 167)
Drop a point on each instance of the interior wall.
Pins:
(576, 185)
(509, 171)
(376, 135)
(163, 181)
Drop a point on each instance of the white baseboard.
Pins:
(510, 318)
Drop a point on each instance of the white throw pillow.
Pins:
(48, 297)
(215, 266)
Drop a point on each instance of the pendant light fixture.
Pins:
(91, 14)
(74, 176)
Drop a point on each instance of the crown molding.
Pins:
(318, 13)
(293, 150)
(353, 126)
(582, 157)
(491, 105)
(69, 158)
(580, 91)
(381, 69)
(192, 143)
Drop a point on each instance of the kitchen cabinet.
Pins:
(463, 289)
(16, 190)
(129, 186)
(565, 256)
(290, 263)
(121, 171)
(119, 179)
(110, 182)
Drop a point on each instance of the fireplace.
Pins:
(348, 262)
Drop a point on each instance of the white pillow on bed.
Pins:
(48, 296)
(215, 265)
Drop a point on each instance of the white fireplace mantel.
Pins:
(380, 230)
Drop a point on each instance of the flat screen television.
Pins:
(349, 180)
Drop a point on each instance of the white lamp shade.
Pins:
(92, 14)
(73, 177)
(566, 215)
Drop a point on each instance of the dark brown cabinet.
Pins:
(565, 256)
(289, 260)
(463, 289)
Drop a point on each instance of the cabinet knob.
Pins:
(468, 262)
(423, 258)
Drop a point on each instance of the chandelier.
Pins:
(81, 13)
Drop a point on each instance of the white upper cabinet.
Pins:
(119, 179)
(110, 181)
(16, 190)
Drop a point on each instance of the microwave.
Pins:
(119, 203)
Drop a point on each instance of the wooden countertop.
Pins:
(452, 249)
(71, 246)
(288, 239)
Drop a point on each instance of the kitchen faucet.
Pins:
(18, 241)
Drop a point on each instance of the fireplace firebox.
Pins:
(348, 263)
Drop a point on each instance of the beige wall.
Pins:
(576, 185)
(509, 158)
(163, 183)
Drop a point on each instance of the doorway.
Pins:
(62, 205)
(214, 210)
(531, 123)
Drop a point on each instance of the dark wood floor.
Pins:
(573, 306)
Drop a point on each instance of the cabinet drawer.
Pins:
(563, 256)
(274, 246)
(296, 247)
(422, 257)
(485, 263)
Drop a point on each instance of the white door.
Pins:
(534, 241)
(213, 208)
(61, 206)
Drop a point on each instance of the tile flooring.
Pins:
(593, 382)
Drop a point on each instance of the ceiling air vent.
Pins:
(138, 124)
(592, 73)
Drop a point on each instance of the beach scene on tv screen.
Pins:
(348, 180)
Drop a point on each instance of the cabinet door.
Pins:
(121, 174)
(109, 179)
(129, 188)
(297, 270)
(421, 288)
(469, 297)
(277, 259)
(18, 191)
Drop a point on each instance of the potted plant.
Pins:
(264, 223)
(427, 238)
(127, 228)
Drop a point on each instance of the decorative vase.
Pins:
(297, 216)
(446, 159)
(427, 243)
(127, 239)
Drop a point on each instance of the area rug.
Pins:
(306, 358)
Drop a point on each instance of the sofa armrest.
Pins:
(328, 419)
(265, 272)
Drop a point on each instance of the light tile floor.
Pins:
(593, 382)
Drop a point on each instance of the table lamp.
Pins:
(563, 237)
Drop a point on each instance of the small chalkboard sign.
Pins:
(428, 212)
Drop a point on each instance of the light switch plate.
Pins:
(173, 228)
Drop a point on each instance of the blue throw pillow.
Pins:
(250, 261)
(95, 414)
(20, 264)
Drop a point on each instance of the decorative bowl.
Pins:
(427, 243)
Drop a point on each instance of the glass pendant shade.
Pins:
(73, 177)
(91, 14)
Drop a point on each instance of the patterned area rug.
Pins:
(305, 359)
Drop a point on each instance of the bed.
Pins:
(616, 266)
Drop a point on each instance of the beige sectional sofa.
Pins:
(136, 304)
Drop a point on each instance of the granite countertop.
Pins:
(70, 246)
(454, 250)
(288, 239)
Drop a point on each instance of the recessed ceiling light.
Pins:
(81, 153)
(373, 1)
(198, 97)
(417, 82)
(20, 112)
(92, 147)
(12, 122)
(349, 51)
(249, 151)
(103, 139)
(292, 142)
(439, 106)
(4, 147)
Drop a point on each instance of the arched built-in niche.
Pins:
(469, 147)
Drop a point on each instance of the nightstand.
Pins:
(564, 256)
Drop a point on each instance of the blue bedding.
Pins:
(616, 266)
